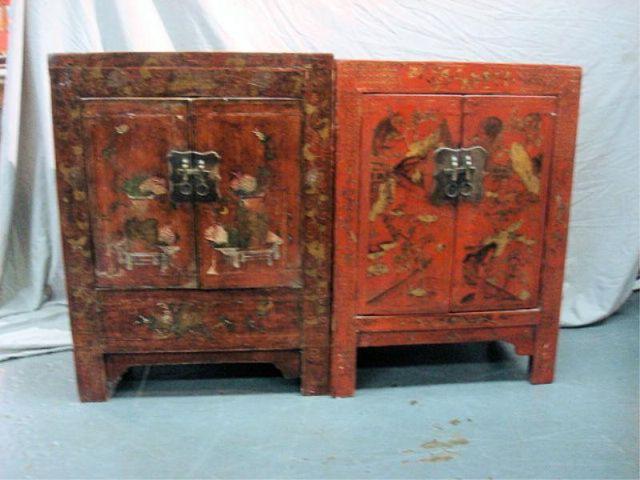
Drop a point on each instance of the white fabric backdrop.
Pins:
(601, 36)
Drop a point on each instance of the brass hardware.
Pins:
(459, 173)
(194, 176)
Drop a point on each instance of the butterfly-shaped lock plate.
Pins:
(459, 174)
(194, 176)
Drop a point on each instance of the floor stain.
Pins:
(435, 443)
(439, 457)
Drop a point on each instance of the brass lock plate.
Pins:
(459, 174)
(194, 176)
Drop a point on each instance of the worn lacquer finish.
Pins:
(116, 119)
(141, 238)
(405, 238)
(500, 238)
(507, 239)
(250, 236)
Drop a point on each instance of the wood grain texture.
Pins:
(93, 93)
(525, 116)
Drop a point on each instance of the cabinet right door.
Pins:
(499, 240)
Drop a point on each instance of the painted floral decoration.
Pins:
(244, 185)
(144, 187)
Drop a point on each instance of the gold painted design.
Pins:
(502, 238)
(172, 319)
(386, 194)
(377, 269)
(421, 148)
(523, 166)
(316, 250)
(418, 292)
(524, 295)
(428, 218)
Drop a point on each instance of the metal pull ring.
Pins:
(451, 190)
(185, 188)
(202, 189)
(466, 189)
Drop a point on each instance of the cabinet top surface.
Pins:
(184, 59)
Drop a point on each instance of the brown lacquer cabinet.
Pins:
(452, 200)
(196, 206)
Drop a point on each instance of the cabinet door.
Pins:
(141, 239)
(249, 236)
(405, 235)
(499, 239)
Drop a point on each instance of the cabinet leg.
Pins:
(91, 375)
(542, 362)
(343, 371)
(315, 371)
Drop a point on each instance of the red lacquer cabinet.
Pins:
(452, 199)
(196, 201)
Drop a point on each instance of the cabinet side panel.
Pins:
(500, 239)
(141, 237)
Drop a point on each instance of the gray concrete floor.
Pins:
(420, 412)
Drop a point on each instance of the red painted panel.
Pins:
(250, 236)
(405, 237)
(141, 238)
(499, 240)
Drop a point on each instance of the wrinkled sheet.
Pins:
(600, 36)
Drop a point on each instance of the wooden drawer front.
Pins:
(190, 320)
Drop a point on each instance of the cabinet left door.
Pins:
(140, 237)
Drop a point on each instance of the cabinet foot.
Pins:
(542, 362)
(91, 375)
(343, 372)
(315, 371)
